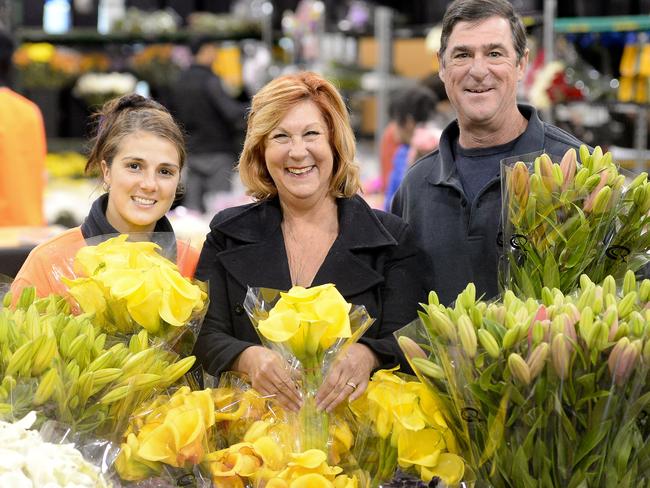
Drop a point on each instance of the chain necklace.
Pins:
(306, 254)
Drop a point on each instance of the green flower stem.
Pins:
(315, 425)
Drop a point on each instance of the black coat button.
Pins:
(238, 309)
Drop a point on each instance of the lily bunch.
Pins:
(401, 424)
(309, 327)
(543, 392)
(68, 368)
(559, 219)
(129, 285)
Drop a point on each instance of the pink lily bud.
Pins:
(625, 361)
(537, 359)
(568, 165)
(546, 172)
(560, 355)
(590, 200)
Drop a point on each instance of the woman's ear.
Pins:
(106, 172)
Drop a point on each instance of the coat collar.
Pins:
(261, 259)
(530, 141)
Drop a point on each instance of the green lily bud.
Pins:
(590, 183)
(610, 316)
(538, 332)
(496, 313)
(638, 196)
(609, 286)
(433, 298)
(489, 343)
(468, 296)
(596, 159)
(601, 200)
(585, 157)
(467, 335)
(428, 368)
(629, 282)
(558, 177)
(476, 315)
(623, 331)
(627, 304)
(586, 323)
(639, 181)
(618, 183)
(597, 303)
(637, 324)
(537, 359)
(643, 209)
(585, 282)
(511, 337)
(644, 291)
(510, 320)
(442, 324)
(519, 368)
(598, 336)
(560, 355)
(610, 301)
(547, 296)
(581, 178)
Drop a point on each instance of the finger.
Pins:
(285, 389)
(329, 388)
(341, 395)
(361, 388)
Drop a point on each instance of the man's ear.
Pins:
(441, 67)
(523, 63)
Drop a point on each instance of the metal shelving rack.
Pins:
(625, 23)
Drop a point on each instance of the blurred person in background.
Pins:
(410, 110)
(213, 121)
(139, 152)
(22, 150)
(452, 197)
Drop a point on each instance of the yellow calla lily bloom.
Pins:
(132, 278)
(311, 480)
(421, 448)
(450, 469)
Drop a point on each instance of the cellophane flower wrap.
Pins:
(129, 285)
(309, 327)
(543, 392)
(559, 219)
(87, 362)
(30, 460)
(400, 424)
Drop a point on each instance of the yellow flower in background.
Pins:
(421, 448)
(132, 467)
(124, 282)
(40, 52)
(308, 320)
(310, 462)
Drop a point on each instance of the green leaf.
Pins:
(591, 439)
(551, 272)
(520, 472)
(496, 425)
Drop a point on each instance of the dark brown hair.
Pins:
(125, 115)
(476, 10)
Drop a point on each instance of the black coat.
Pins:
(373, 262)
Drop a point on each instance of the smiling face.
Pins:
(480, 71)
(143, 179)
(299, 157)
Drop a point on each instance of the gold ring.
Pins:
(351, 385)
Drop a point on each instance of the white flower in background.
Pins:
(538, 94)
(105, 84)
(27, 461)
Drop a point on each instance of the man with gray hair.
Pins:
(451, 197)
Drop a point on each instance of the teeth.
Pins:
(144, 201)
(298, 171)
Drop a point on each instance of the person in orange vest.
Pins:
(140, 152)
(22, 150)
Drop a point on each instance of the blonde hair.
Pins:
(268, 108)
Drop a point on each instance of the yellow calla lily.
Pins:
(311, 480)
(277, 483)
(271, 453)
(343, 481)
(280, 326)
(144, 310)
(310, 459)
(421, 448)
(450, 469)
(88, 294)
(131, 467)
